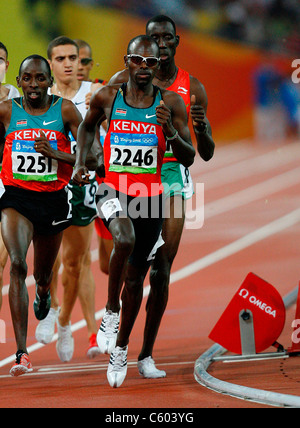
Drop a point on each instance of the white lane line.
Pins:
(244, 197)
(240, 244)
(91, 368)
(249, 167)
(246, 241)
(224, 155)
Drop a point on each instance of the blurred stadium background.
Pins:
(242, 51)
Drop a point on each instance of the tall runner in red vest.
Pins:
(142, 118)
(178, 180)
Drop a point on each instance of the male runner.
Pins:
(141, 118)
(86, 64)
(35, 202)
(77, 277)
(178, 179)
(7, 92)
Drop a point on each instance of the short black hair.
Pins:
(142, 38)
(2, 46)
(39, 57)
(59, 41)
(161, 18)
(83, 44)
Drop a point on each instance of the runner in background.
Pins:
(86, 64)
(77, 278)
(7, 92)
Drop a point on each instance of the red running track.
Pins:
(248, 186)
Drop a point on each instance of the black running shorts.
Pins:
(146, 214)
(49, 212)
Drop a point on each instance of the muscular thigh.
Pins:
(3, 253)
(46, 248)
(17, 232)
(173, 226)
(77, 242)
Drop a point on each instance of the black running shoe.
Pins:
(42, 306)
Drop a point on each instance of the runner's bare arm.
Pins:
(72, 119)
(86, 134)
(171, 114)
(5, 115)
(201, 125)
(2, 140)
(98, 150)
(119, 77)
(94, 88)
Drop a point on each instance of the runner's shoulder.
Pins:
(197, 87)
(106, 91)
(120, 77)
(96, 86)
(5, 109)
(171, 98)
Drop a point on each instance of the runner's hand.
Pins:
(42, 145)
(100, 171)
(164, 118)
(81, 175)
(197, 112)
(88, 99)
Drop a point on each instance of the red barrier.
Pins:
(256, 299)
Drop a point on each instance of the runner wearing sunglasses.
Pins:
(178, 179)
(142, 118)
(139, 59)
(86, 62)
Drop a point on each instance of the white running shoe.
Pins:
(117, 368)
(148, 370)
(65, 343)
(93, 350)
(46, 328)
(108, 332)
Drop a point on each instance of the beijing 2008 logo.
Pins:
(296, 73)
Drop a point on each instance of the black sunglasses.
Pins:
(150, 61)
(86, 61)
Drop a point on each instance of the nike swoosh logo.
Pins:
(78, 104)
(55, 223)
(88, 217)
(48, 123)
(149, 116)
(182, 89)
